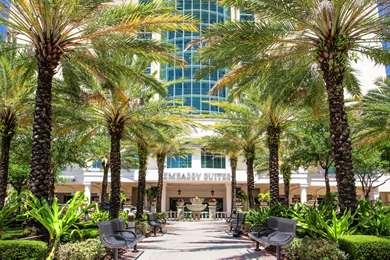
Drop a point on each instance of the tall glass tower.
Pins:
(194, 93)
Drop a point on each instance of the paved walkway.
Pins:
(198, 241)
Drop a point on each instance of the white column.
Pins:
(374, 195)
(304, 193)
(164, 198)
(228, 198)
(196, 159)
(87, 191)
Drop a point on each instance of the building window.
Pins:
(179, 161)
(213, 160)
(97, 164)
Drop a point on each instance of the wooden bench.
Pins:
(277, 232)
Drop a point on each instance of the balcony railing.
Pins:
(220, 215)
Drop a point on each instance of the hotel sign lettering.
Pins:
(194, 176)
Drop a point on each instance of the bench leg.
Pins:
(278, 254)
(155, 231)
(257, 246)
(135, 249)
(115, 253)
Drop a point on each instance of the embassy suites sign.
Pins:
(196, 176)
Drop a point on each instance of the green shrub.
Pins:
(315, 222)
(22, 249)
(362, 247)
(309, 249)
(89, 249)
(257, 216)
(80, 234)
(372, 218)
(14, 234)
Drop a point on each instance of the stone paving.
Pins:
(198, 241)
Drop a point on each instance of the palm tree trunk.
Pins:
(160, 167)
(285, 169)
(332, 65)
(250, 157)
(9, 120)
(273, 135)
(142, 157)
(115, 165)
(41, 179)
(233, 167)
(327, 185)
(104, 197)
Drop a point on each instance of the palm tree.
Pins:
(170, 143)
(328, 33)
(243, 124)
(16, 88)
(225, 141)
(157, 114)
(375, 125)
(277, 118)
(55, 29)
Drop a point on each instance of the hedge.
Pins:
(364, 247)
(22, 249)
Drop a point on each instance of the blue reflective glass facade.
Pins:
(193, 92)
(213, 160)
(179, 161)
(3, 29)
(384, 9)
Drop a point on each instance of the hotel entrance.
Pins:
(186, 192)
(173, 203)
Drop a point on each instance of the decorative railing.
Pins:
(172, 215)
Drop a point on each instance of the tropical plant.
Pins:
(16, 88)
(374, 128)
(241, 127)
(226, 141)
(327, 33)
(372, 218)
(157, 115)
(264, 196)
(56, 219)
(258, 217)
(317, 222)
(171, 143)
(8, 211)
(54, 29)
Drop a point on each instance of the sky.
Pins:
(367, 73)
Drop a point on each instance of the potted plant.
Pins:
(264, 198)
(241, 198)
